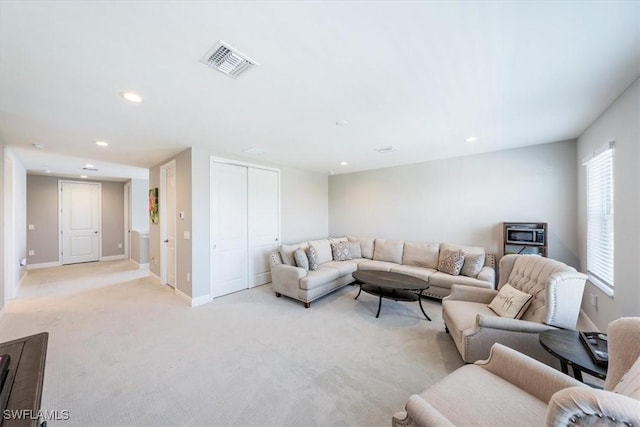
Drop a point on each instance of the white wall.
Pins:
(463, 200)
(15, 226)
(620, 123)
(304, 213)
(140, 205)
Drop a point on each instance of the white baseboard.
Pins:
(193, 302)
(113, 257)
(43, 265)
(143, 266)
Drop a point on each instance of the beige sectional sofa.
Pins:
(410, 258)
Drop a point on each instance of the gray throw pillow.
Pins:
(473, 264)
(354, 248)
(341, 251)
(301, 258)
(451, 262)
(313, 258)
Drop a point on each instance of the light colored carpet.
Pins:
(124, 350)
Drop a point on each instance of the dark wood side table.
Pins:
(567, 347)
(26, 370)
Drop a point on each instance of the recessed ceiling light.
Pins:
(39, 146)
(84, 176)
(89, 165)
(131, 96)
(102, 143)
(343, 163)
(342, 123)
(471, 139)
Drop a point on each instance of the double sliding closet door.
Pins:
(245, 225)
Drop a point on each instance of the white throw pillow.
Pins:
(473, 264)
(510, 302)
(301, 258)
(354, 247)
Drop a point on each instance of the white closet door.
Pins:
(264, 223)
(229, 261)
(80, 221)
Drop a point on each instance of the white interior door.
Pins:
(229, 261)
(167, 207)
(264, 222)
(80, 221)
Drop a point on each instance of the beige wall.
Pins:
(463, 200)
(620, 122)
(42, 211)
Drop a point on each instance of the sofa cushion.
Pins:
(312, 254)
(366, 245)
(444, 280)
(341, 251)
(388, 250)
(421, 254)
(510, 302)
(451, 261)
(413, 271)
(301, 258)
(354, 248)
(376, 265)
(343, 267)
(473, 264)
(323, 249)
(319, 277)
(286, 252)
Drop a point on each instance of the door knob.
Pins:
(95, 232)
(166, 241)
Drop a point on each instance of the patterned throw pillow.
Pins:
(354, 247)
(473, 264)
(510, 302)
(313, 258)
(451, 262)
(301, 258)
(341, 251)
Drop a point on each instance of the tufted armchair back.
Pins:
(556, 288)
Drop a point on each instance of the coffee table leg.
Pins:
(420, 302)
(379, 306)
(359, 291)
(563, 367)
(577, 373)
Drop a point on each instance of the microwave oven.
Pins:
(525, 236)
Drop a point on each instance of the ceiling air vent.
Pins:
(228, 60)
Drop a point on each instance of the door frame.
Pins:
(60, 222)
(162, 211)
(127, 219)
(216, 159)
(9, 229)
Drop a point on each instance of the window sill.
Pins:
(608, 291)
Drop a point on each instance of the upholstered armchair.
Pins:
(556, 291)
(512, 389)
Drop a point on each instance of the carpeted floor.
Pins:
(124, 350)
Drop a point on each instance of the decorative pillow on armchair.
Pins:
(510, 302)
(451, 262)
(341, 251)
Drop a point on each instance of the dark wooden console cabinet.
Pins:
(25, 379)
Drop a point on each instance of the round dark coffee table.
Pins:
(395, 286)
(567, 347)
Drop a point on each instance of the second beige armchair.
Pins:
(557, 294)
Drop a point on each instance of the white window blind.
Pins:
(600, 218)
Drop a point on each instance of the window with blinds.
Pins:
(600, 218)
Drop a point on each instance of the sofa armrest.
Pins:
(593, 406)
(488, 274)
(507, 324)
(285, 279)
(420, 413)
(526, 373)
(471, 293)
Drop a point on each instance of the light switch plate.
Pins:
(187, 235)
(32, 227)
